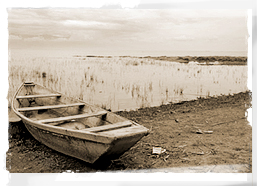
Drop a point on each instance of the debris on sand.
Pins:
(199, 131)
(208, 132)
(166, 157)
(200, 153)
(158, 150)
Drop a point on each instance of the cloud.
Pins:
(148, 28)
(55, 37)
(83, 23)
(14, 37)
(73, 23)
(183, 38)
(38, 37)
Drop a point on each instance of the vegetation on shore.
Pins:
(208, 60)
(203, 60)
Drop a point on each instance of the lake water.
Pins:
(118, 83)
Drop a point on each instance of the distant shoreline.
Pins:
(207, 60)
(202, 60)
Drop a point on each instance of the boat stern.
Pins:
(124, 139)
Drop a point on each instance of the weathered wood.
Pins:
(91, 144)
(68, 118)
(87, 150)
(122, 132)
(49, 107)
(109, 127)
(38, 96)
(29, 83)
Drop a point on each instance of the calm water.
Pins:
(126, 83)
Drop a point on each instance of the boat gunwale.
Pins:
(86, 134)
(66, 96)
(83, 134)
(110, 144)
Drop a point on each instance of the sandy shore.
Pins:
(204, 135)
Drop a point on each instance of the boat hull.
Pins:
(73, 127)
(86, 150)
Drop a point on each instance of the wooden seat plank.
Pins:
(110, 127)
(38, 96)
(74, 117)
(29, 83)
(48, 107)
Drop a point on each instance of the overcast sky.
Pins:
(129, 29)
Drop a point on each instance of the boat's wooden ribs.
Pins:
(126, 123)
(74, 117)
(38, 96)
(48, 107)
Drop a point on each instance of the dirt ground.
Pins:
(203, 132)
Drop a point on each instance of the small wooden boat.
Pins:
(73, 127)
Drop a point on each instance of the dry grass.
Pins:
(76, 77)
(61, 75)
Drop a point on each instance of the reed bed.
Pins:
(61, 75)
(120, 83)
(76, 77)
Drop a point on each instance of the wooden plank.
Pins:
(74, 117)
(29, 83)
(48, 107)
(38, 96)
(109, 127)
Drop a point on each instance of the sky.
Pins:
(117, 30)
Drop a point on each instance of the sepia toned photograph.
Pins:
(128, 90)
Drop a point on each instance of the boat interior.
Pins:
(50, 108)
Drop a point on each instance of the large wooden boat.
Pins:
(73, 127)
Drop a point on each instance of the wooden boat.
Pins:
(73, 127)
